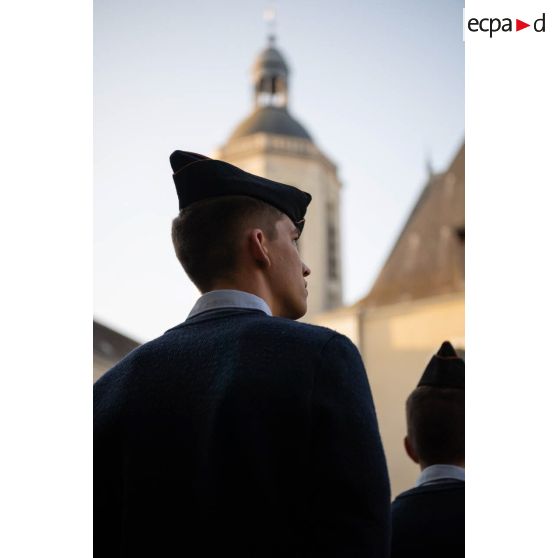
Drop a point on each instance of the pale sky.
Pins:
(378, 84)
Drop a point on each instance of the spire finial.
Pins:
(270, 16)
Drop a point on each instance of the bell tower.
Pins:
(270, 142)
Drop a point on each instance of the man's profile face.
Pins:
(288, 272)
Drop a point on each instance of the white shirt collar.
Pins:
(229, 298)
(437, 473)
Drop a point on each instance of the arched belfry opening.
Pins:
(270, 76)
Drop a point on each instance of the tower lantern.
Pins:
(270, 75)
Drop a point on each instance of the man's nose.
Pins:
(305, 270)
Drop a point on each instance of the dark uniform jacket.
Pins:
(429, 521)
(239, 434)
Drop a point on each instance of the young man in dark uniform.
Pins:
(429, 520)
(239, 432)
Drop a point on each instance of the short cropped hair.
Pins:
(207, 234)
(436, 424)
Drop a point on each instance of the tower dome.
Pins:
(270, 63)
(270, 120)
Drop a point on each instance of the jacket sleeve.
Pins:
(351, 497)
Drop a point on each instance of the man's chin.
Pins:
(294, 313)
(300, 312)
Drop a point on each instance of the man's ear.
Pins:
(257, 246)
(410, 449)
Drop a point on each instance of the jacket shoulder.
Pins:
(253, 330)
(425, 490)
(326, 341)
(310, 330)
(136, 358)
(304, 329)
(258, 326)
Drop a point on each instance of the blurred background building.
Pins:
(417, 300)
(109, 347)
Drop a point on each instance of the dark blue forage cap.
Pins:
(445, 369)
(197, 178)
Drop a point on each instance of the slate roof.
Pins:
(109, 347)
(270, 60)
(428, 259)
(270, 120)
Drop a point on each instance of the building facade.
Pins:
(416, 303)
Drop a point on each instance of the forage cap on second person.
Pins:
(445, 369)
(198, 177)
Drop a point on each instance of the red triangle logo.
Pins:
(519, 25)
